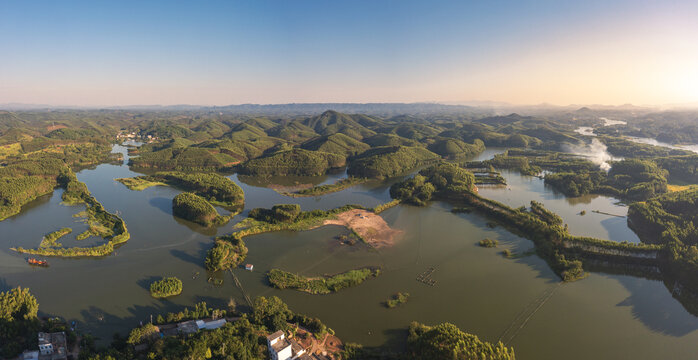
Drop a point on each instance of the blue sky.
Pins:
(230, 52)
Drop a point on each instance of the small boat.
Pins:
(37, 262)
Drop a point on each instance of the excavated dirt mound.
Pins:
(371, 227)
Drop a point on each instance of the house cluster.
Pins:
(123, 135)
(52, 346)
(133, 136)
(191, 326)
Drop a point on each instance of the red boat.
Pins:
(37, 262)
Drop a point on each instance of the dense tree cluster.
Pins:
(671, 220)
(442, 341)
(456, 148)
(18, 321)
(183, 159)
(195, 208)
(293, 162)
(277, 214)
(631, 179)
(383, 162)
(166, 287)
(680, 168)
(337, 143)
(228, 252)
(447, 341)
(442, 179)
(25, 180)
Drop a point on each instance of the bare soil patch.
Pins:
(370, 226)
(55, 127)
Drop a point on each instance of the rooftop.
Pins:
(280, 345)
(275, 335)
(58, 342)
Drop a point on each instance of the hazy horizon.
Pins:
(86, 54)
(474, 104)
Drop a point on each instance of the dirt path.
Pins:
(371, 227)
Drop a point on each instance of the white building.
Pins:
(281, 348)
(52, 346)
(210, 324)
(46, 349)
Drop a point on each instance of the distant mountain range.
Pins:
(383, 109)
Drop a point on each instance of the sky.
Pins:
(116, 53)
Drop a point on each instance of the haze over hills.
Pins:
(378, 108)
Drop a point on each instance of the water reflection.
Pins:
(162, 204)
(204, 230)
(655, 308)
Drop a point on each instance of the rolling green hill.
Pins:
(454, 148)
(293, 162)
(332, 122)
(336, 144)
(389, 161)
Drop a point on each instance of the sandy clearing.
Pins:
(370, 226)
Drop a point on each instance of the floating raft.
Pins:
(425, 277)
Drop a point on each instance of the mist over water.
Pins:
(596, 152)
(610, 122)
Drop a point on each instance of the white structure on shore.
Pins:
(281, 348)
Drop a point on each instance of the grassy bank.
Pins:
(139, 183)
(320, 285)
(51, 239)
(327, 189)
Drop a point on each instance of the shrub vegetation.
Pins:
(320, 285)
(397, 299)
(166, 287)
(488, 243)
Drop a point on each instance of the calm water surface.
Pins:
(519, 301)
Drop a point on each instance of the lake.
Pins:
(519, 301)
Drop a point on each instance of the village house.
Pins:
(52, 346)
(191, 326)
(281, 348)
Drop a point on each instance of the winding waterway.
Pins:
(519, 301)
